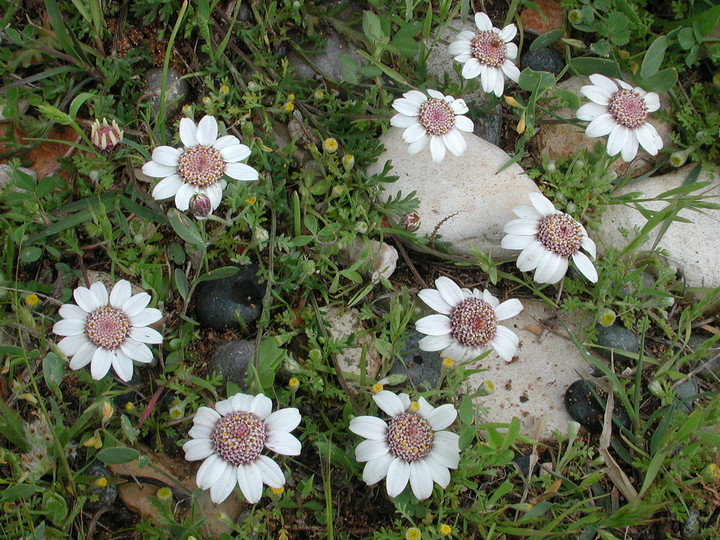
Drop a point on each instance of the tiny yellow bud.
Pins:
(445, 529)
(95, 441)
(330, 145)
(520, 128)
(129, 406)
(206, 100)
(414, 406)
(107, 411)
(224, 89)
(251, 200)
(413, 533)
(32, 300)
(448, 363)
(278, 491)
(293, 383)
(291, 97)
(377, 387)
(348, 162)
(187, 110)
(101, 482)
(319, 94)
(511, 101)
(489, 386)
(607, 317)
(289, 106)
(164, 494)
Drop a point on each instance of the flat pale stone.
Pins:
(532, 387)
(342, 323)
(691, 246)
(464, 199)
(563, 140)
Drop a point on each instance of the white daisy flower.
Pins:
(108, 331)
(201, 166)
(548, 239)
(488, 53)
(622, 114)
(437, 120)
(411, 446)
(231, 437)
(467, 322)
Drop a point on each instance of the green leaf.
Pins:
(406, 47)
(181, 284)
(467, 411)
(588, 66)
(618, 31)
(117, 455)
(568, 98)
(11, 426)
(654, 57)
(130, 431)
(545, 40)
(686, 38)
(30, 254)
(371, 27)
(54, 507)
(53, 371)
(218, 273)
(78, 102)
(185, 228)
(662, 81)
(531, 80)
(18, 491)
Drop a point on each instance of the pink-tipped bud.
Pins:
(201, 206)
(410, 221)
(106, 137)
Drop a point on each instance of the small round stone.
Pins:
(239, 437)
(410, 436)
(437, 117)
(473, 322)
(585, 403)
(628, 108)
(107, 327)
(489, 48)
(201, 166)
(561, 234)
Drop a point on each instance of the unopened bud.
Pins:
(106, 137)
(410, 221)
(200, 206)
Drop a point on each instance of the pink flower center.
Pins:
(489, 48)
(437, 117)
(239, 437)
(628, 108)
(473, 322)
(560, 234)
(107, 327)
(201, 166)
(409, 436)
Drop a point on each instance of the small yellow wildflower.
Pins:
(224, 89)
(95, 441)
(289, 106)
(511, 101)
(101, 482)
(377, 387)
(293, 383)
(164, 494)
(489, 387)
(348, 161)
(251, 200)
(448, 363)
(107, 411)
(330, 145)
(130, 406)
(283, 535)
(414, 406)
(206, 100)
(319, 94)
(413, 533)
(607, 317)
(32, 300)
(445, 529)
(187, 110)
(277, 491)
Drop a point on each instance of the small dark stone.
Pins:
(328, 59)
(99, 497)
(489, 127)
(245, 14)
(422, 367)
(280, 50)
(585, 403)
(691, 526)
(543, 60)
(686, 393)
(221, 302)
(523, 463)
(619, 338)
(231, 360)
(710, 358)
(176, 90)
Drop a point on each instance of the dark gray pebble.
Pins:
(619, 338)
(99, 497)
(543, 60)
(422, 367)
(585, 403)
(231, 360)
(221, 302)
(176, 90)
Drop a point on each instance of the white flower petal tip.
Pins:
(620, 112)
(108, 331)
(412, 448)
(436, 120)
(548, 242)
(200, 170)
(466, 325)
(489, 53)
(230, 439)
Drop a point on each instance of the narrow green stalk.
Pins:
(166, 66)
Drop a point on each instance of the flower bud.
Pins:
(260, 235)
(410, 221)
(106, 137)
(200, 205)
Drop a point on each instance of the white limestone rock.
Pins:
(464, 199)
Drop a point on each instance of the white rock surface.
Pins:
(380, 259)
(564, 140)
(464, 199)
(691, 246)
(532, 387)
(343, 323)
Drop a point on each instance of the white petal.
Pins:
(389, 402)
(223, 487)
(183, 196)
(461, 46)
(227, 141)
(155, 170)
(458, 352)
(238, 402)
(136, 351)
(83, 356)
(652, 101)
(541, 203)
(418, 145)
(445, 454)
(71, 344)
(235, 152)
(167, 155)
(604, 82)
(69, 327)
(435, 343)
(437, 148)
(206, 417)
(98, 289)
(240, 171)
(471, 69)
(508, 33)
(120, 294)
(438, 95)
(249, 478)
(416, 97)
(187, 132)
(434, 299)
(413, 133)
(601, 126)
(406, 107)
(585, 265)
(122, 365)
(440, 474)
(526, 211)
(420, 479)
(433, 325)
(425, 409)
(528, 259)
(167, 187)
(100, 364)
(198, 449)
(511, 51)
(590, 111)
(283, 443)
(459, 106)
(369, 427)
(513, 241)
(133, 305)
(370, 449)
(629, 151)
(377, 469)
(397, 477)
(442, 416)
(511, 70)
(211, 470)
(522, 227)
(617, 140)
(270, 471)
(648, 138)
(207, 131)
(146, 317)
(261, 406)
(86, 299)
(589, 246)
(483, 22)
(549, 267)
(71, 311)
(596, 94)
(463, 123)
(503, 346)
(509, 308)
(449, 290)
(403, 121)
(283, 420)
(455, 142)
(146, 335)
